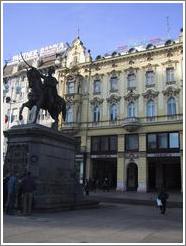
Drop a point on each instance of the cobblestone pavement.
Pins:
(110, 223)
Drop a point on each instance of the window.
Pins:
(152, 141)
(113, 83)
(131, 80)
(170, 74)
(113, 143)
(95, 144)
(131, 110)
(150, 108)
(113, 112)
(149, 78)
(97, 86)
(96, 113)
(69, 114)
(171, 106)
(131, 142)
(174, 140)
(70, 87)
(162, 140)
(104, 144)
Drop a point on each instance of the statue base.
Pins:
(50, 156)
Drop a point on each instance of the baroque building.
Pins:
(126, 111)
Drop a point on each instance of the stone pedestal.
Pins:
(49, 155)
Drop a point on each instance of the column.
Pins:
(142, 164)
(120, 164)
(142, 174)
(181, 159)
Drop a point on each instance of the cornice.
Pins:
(170, 62)
(150, 66)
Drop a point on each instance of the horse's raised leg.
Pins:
(28, 105)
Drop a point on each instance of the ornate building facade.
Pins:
(126, 110)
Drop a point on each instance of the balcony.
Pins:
(131, 124)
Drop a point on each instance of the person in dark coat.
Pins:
(87, 187)
(28, 187)
(11, 189)
(163, 196)
(5, 189)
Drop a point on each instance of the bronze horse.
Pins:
(38, 97)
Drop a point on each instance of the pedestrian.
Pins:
(11, 189)
(28, 188)
(86, 187)
(106, 185)
(5, 190)
(20, 195)
(163, 196)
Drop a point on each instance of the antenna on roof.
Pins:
(168, 27)
(78, 31)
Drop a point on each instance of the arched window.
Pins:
(69, 114)
(171, 106)
(113, 112)
(150, 108)
(113, 83)
(96, 113)
(131, 110)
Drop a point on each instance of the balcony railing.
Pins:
(131, 123)
(126, 122)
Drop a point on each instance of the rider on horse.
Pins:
(50, 83)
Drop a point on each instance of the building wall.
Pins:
(77, 65)
(157, 59)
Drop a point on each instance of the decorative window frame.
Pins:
(170, 64)
(171, 91)
(96, 77)
(131, 96)
(150, 94)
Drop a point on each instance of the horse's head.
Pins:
(33, 76)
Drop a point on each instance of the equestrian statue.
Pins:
(43, 94)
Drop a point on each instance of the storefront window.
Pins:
(174, 140)
(152, 144)
(163, 141)
(104, 144)
(113, 143)
(132, 142)
(95, 144)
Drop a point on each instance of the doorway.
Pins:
(105, 168)
(132, 177)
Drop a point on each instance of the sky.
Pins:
(103, 27)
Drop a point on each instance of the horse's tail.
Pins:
(62, 105)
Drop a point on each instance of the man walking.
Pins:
(28, 187)
(163, 196)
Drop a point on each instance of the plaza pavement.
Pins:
(110, 223)
(139, 198)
